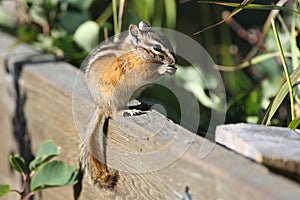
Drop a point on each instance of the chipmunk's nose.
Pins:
(174, 58)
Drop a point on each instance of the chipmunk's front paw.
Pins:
(135, 110)
(141, 106)
(132, 112)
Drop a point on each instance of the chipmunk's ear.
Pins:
(134, 32)
(143, 25)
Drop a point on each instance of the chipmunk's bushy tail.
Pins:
(93, 153)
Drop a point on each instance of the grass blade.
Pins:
(253, 6)
(294, 124)
(290, 87)
(170, 10)
(283, 91)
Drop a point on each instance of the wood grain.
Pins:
(276, 147)
(56, 109)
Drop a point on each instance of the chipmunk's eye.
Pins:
(157, 48)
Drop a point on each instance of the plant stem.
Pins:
(25, 181)
(115, 17)
(254, 61)
(29, 195)
(17, 191)
(121, 10)
(104, 15)
(285, 68)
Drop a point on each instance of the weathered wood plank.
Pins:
(276, 147)
(8, 143)
(49, 115)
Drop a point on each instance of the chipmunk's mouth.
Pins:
(167, 69)
(171, 69)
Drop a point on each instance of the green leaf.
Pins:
(72, 52)
(53, 174)
(294, 124)
(72, 20)
(283, 91)
(81, 5)
(87, 35)
(47, 151)
(17, 162)
(4, 189)
(253, 105)
(193, 80)
(27, 33)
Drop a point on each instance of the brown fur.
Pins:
(101, 175)
(112, 78)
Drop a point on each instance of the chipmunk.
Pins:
(114, 71)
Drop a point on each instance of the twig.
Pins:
(105, 34)
(252, 36)
(265, 28)
(234, 12)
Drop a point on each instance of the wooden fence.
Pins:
(37, 94)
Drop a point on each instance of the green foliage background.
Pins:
(252, 72)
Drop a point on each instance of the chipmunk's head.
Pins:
(156, 47)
